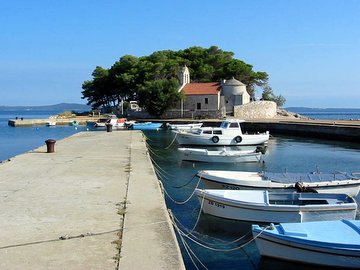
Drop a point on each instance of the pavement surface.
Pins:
(95, 203)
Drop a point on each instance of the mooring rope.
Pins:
(185, 201)
(208, 245)
(224, 250)
(164, 173)
(187, 183)
(188, 250)
(159, 168)
(199, 214)
(167, 147)
(153, 152)
(191, 253)
(190, 232)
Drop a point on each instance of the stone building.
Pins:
(234, 94)
(208, 100)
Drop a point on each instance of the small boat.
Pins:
(265, 206)
(50, 123)
(327, 243)
(223, 156)
(338, 182)
(74, 123)
(145, 126)
(117, 123)
(101, 122)
(229, 133)
(186, 127)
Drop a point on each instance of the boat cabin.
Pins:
(231, 124)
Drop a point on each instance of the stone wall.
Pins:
(256, 110)
(207, 102)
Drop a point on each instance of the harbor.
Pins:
(225, 243)
(139, 136)
(94, 203)
(343, 130)
(132, 157)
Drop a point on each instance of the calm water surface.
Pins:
(283, 153)
(329, 114)
(18, 140)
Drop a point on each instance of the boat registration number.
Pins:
(225, 186)
(220, 205)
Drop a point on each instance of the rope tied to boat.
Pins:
(186, 200)
(167, 147)
(208, 245)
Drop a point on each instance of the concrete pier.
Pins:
(94, 203)
(341, 130)
(23, 122)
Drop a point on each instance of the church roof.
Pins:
(233, 82)
(212, 88)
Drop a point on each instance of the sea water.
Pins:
(18, 140)
(328, 114)
(215, 247)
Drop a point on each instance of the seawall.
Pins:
(23, 122)
(322, 129)
(342, 130)
(94, 203)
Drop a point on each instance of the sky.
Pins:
(309, 48)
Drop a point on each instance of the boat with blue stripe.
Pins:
(327, 243)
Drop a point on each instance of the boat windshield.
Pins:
(234, 125)
(224, 124)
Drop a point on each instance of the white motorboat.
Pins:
(117, 123)
(185, 127)
(326, 243)
(223, 156)
(229, 133)
(50, 123)
(101, 122)
(338, 182)
(265, 206)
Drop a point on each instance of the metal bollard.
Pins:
(50, 144)
(108, 127)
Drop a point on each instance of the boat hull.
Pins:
(203, 155)
(215, 205)
(287, 251)
(252, 180)
(302, 250)
(187, 138)
(50, 124)
(145, 126)
(186, 127)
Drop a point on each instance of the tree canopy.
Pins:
(153, 80)
(269, 95)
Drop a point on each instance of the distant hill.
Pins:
(57, 107)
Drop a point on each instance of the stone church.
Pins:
(209, 100)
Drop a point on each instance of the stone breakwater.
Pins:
(340, 130)
(23, 122)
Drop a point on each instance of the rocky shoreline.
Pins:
(281, 113)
